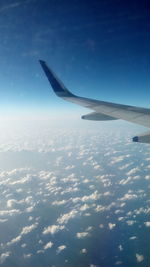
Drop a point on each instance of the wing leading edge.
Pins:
(102, 110)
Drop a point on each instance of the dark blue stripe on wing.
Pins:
(56, 84)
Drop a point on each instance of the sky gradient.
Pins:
(100, 49)
(73, 193)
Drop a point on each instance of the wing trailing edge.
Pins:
(95, 116)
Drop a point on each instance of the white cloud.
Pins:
(59, 203)
(25, 230)
(53, 229)
(147, 177)
(14, 240)
(48, 245)
(133, 238)
(29, 209)
(139, 257)
(70, 167)
(40, 251)
(130, 222)
(125, 166)
(70, 190)
(64, 218)
(96, 167)
(128, 196)
(11, 203)
(120, 218)
(84, 207)
(4, 256)
(126, 181)
(21, 181)
(9, 212)
(28, 229)
(83, 251)
(133, 171)
(93, 196)
(27, 256)
(111, 225)
(82, 235)
(86, 181)
(3, 220)
(100, 208)
(61, 248)
(147, 224)
(120, 247)
(89, 228)
(118, 262)
(23, 245)
(107, 194)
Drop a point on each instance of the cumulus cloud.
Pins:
(84, 207)
(4, 256)
(82, 235)
(147, 177)
(139, 257)
(96, 167)
(100, 208)
(111, 225)
(21, 181)
(120, 247)
(27, 256)
(14, 240)
(28, 229)
(133, 171)
(126, 181)
(64, 218)
(91, 191)
(128, 196)
(53, 229)
(9, 212)
(93, 196)
(133, 238)
(89, 228)
(61, 248)
(130, 222)
(25, 230)
(70, 167)
(83, 251)
(59, 203)
(48, 245)
(11, 203)
(147, 224)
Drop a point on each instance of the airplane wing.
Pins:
(102, 110)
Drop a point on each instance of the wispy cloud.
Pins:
(14, 5)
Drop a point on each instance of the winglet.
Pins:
(56, 84)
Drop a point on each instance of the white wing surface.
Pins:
(102, 110)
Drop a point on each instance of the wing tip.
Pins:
(135, 139)
(42, 61)
(57, 85)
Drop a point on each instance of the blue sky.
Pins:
(100, 49)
